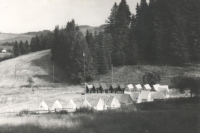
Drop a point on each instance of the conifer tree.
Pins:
(16, 50)
(26, 47)
(21, 47)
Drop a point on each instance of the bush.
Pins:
(186, 82)
(151, 78)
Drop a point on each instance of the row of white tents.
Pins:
(130, 97)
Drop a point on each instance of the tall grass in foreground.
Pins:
(126, 120)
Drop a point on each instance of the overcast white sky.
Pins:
(19, 16)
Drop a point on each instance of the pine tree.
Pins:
(16, 50)
(111, 22)
(21, 47)
(26, 47)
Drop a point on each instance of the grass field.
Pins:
(7, 37)
(173, 116)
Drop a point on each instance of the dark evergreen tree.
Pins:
(26, 47)
(16, 50)
(21, 47)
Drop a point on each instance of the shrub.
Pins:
(186, 82)
(151, 78)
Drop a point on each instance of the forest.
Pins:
(162, 32)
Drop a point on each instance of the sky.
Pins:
(20, 16)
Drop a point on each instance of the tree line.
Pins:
(162, 32)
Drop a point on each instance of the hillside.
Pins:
(6, 37)
(84, 28)
(37, 65)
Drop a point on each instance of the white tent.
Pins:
(128, 89)
(89, 87)
(157, 95)
(156, 87)
(100, 105)
(113, 103)
(144, 96)
(134, 96)
(85, 104)
(56, 106)
(71, 106)
(138, 87)
(164, 89)
(147, 87)
(43, 108)
(126, 99)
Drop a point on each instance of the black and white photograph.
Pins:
(99, 66)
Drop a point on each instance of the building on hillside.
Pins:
(56, 106)
(113, 103)
(43, 108)
(4, 51)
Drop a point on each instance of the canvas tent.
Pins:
(126, 99)
(134, 96)
(71, 106)
(157, 96)
(122, 87)
(89, 88)
(129, 89)
(144, 96)
(43, 108)
(164, 89)
(100, 105)
(114, 88)
(104, 87)
(56, 106)
(156, 87)
(138, 87)
(113, 103)
(86, 104)
(96, 87)
(147, 87)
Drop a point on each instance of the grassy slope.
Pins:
(6, 37)
(39, 66)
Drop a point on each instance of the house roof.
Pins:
(126, 99)
(103, 86)
(157, 95)
(144, 95)
(147, 87)
(134, 95)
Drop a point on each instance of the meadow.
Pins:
(171, 116)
